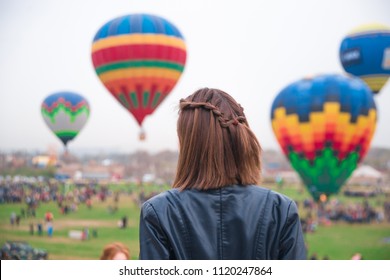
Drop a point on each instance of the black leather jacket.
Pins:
(234, 222)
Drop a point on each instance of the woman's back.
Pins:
(234, 222)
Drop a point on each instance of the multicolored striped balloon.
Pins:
(139, 58)
(324, 126)
(65, 113)
(365, 53)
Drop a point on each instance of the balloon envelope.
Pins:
(139, 58)
(65, 113)
(365, 53)
(324, 126)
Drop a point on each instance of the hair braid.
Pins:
(219, 115)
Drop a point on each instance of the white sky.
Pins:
(250, 49)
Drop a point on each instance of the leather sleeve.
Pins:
(154, 244)
(292, 245)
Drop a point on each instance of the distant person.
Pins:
(116, 197)
(89, 203)
(50, 229)
(115, 251)
(48, 216)
(216, 209)
(39, 228)
(124, 222)
(386, 210)
(85, 234)
(23, 213)
(12, 218)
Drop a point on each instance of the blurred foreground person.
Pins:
(216, 210)
(357, 256)
(115, 251)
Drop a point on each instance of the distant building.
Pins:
(43, 161)
(366, 175)
(92, 171)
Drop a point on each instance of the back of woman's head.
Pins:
(217, 147)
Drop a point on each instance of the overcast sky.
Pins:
(250, 49)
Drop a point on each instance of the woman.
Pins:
(115, 251)
(216, 210)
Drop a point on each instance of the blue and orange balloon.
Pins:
(65, 113)
(365, 53)
(324, 126)
(139, 58)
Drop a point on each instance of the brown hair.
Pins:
(112, 249)
(217, 147)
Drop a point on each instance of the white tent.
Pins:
(367, 176)
(366, 171)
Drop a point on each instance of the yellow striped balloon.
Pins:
(139, 58)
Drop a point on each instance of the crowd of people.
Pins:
(351, 213)
(68, 200)
(335, 210)
(33, 193)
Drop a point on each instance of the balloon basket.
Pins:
(142, 136)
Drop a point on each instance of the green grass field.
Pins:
(337, 241)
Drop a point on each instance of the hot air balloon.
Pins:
(365, 53)
(324, 126)
(65, 113)
(139, 58)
